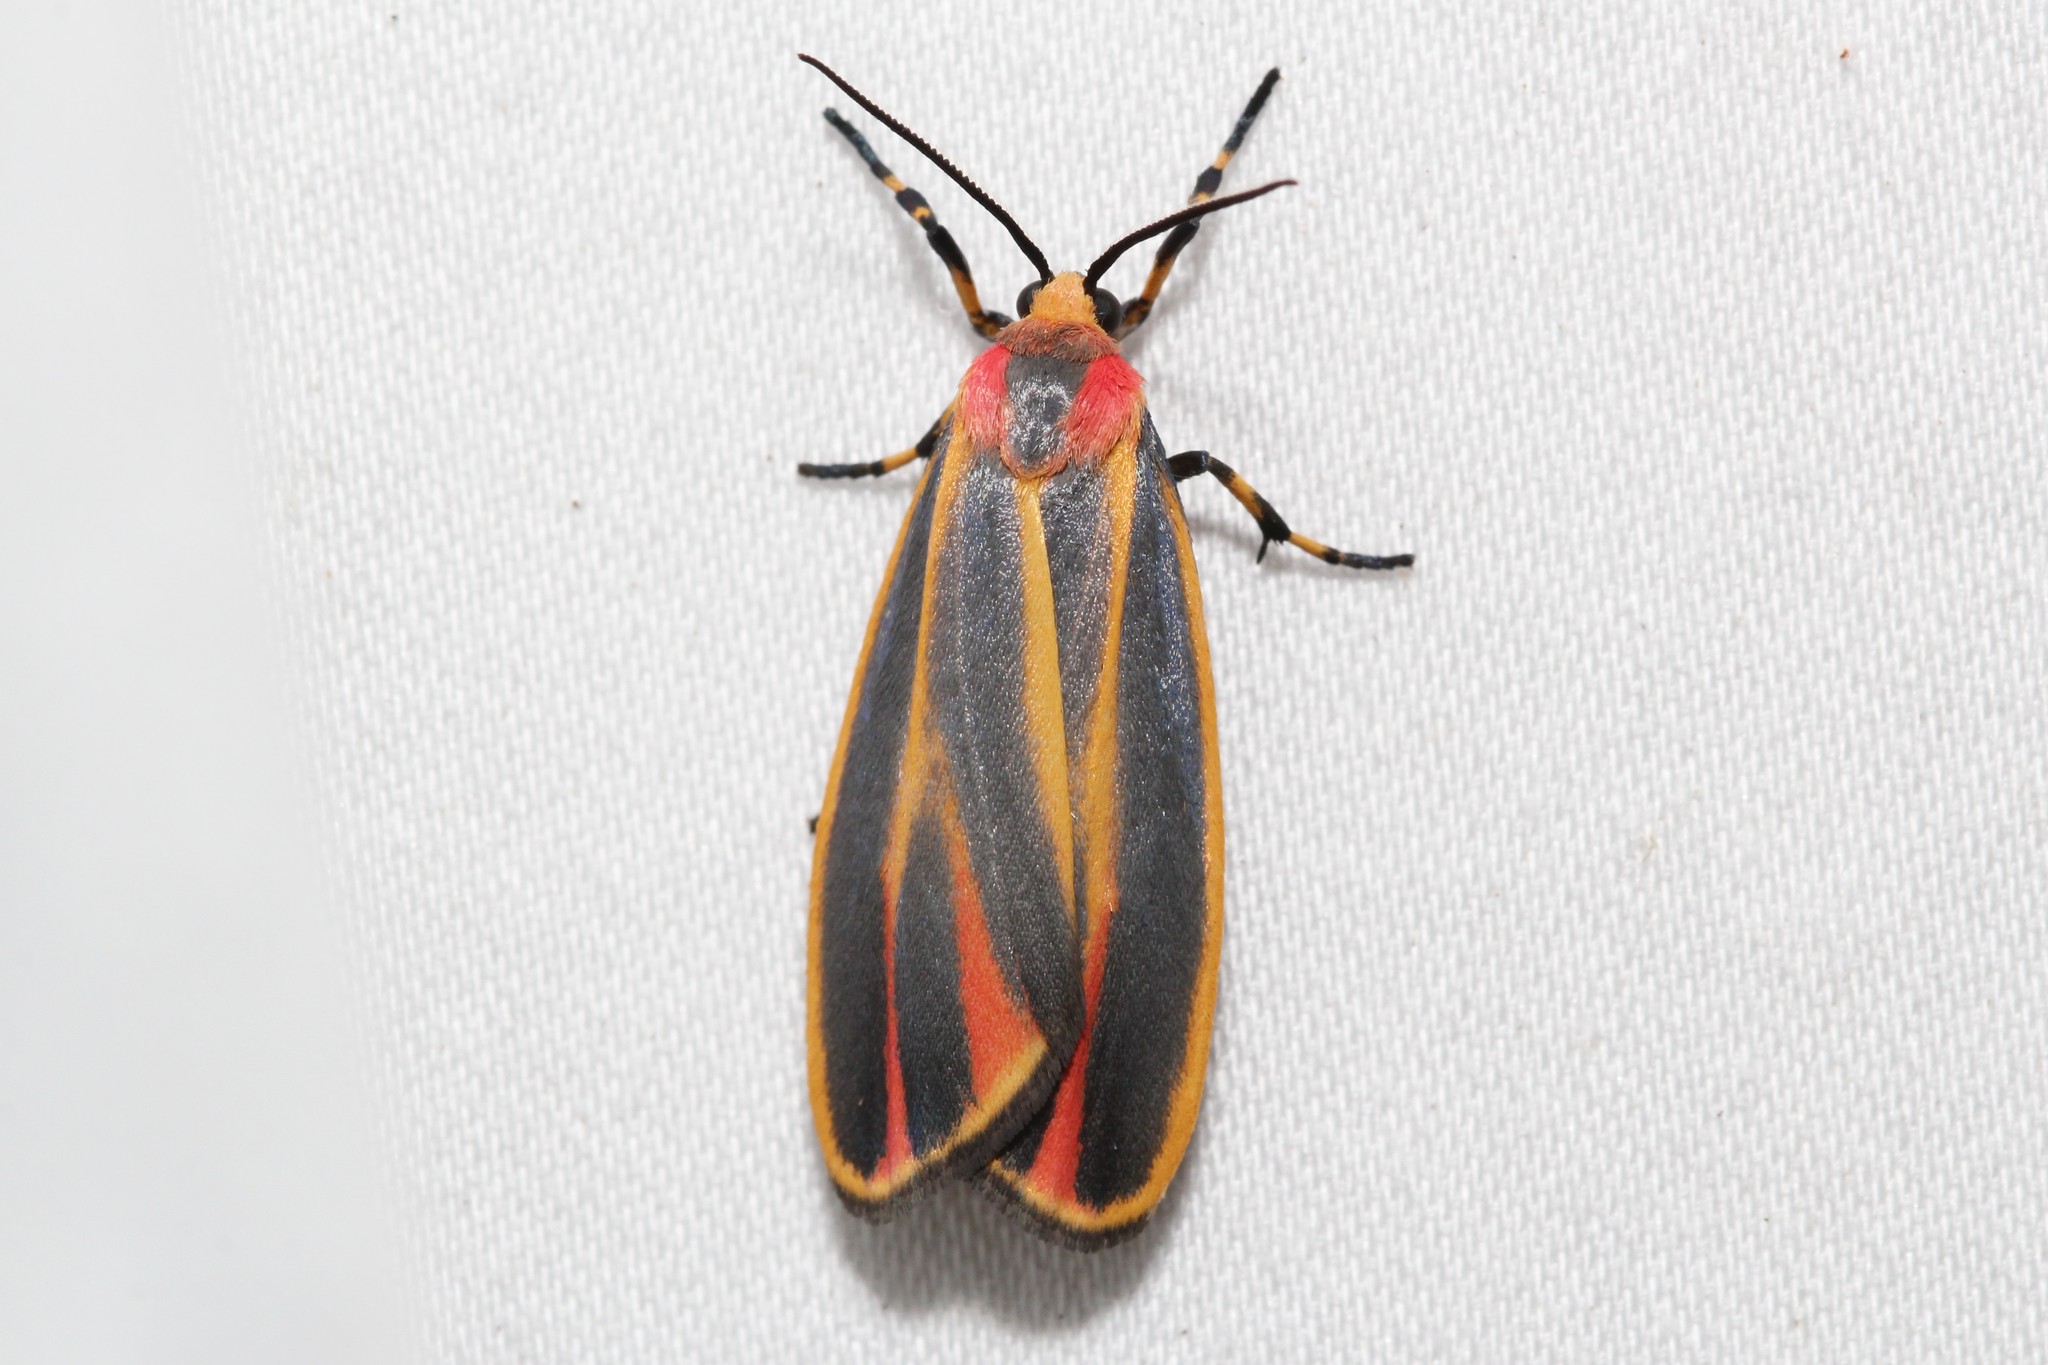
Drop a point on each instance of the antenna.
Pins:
(932, 154)
(1192, 211)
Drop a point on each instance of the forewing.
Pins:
(945, 991)
(1094, 1162)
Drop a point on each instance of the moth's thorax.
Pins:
(1076, 341)
(1049, 394)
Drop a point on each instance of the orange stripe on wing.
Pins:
(1083, 1220)
(1059, 1152)
(1045, 716)
(843, 1172)
(898, 1166)
(922, 753)
(922, 775)
(1187, 1094)
(1009, 1057)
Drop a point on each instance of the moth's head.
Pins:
(1068, 299)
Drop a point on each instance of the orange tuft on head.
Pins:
(1064, 299)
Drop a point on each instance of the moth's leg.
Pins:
(926, 444)
(985, 321)
(1139, 308)
(1271, 524)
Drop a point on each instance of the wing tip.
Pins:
(885, 1208)
(966, 1160)
(1053, 1225)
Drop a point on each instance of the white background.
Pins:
(1636, 946)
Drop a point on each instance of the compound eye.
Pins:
(1109, 314)
(1028, 297)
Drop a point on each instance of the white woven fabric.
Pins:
(1635, 945)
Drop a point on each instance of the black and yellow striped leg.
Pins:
(1206, 184)
(1271, 524)
(887, 464)
(985, 321)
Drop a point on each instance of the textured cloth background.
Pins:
(1635, 944)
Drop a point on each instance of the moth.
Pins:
(1017, 887)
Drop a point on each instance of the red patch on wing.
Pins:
(1104, 408)
(998, 1029)
(896, 1150)
(1059, 1151)
(985, 398)
(897, 1154)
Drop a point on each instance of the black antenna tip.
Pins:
(1172, 220)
